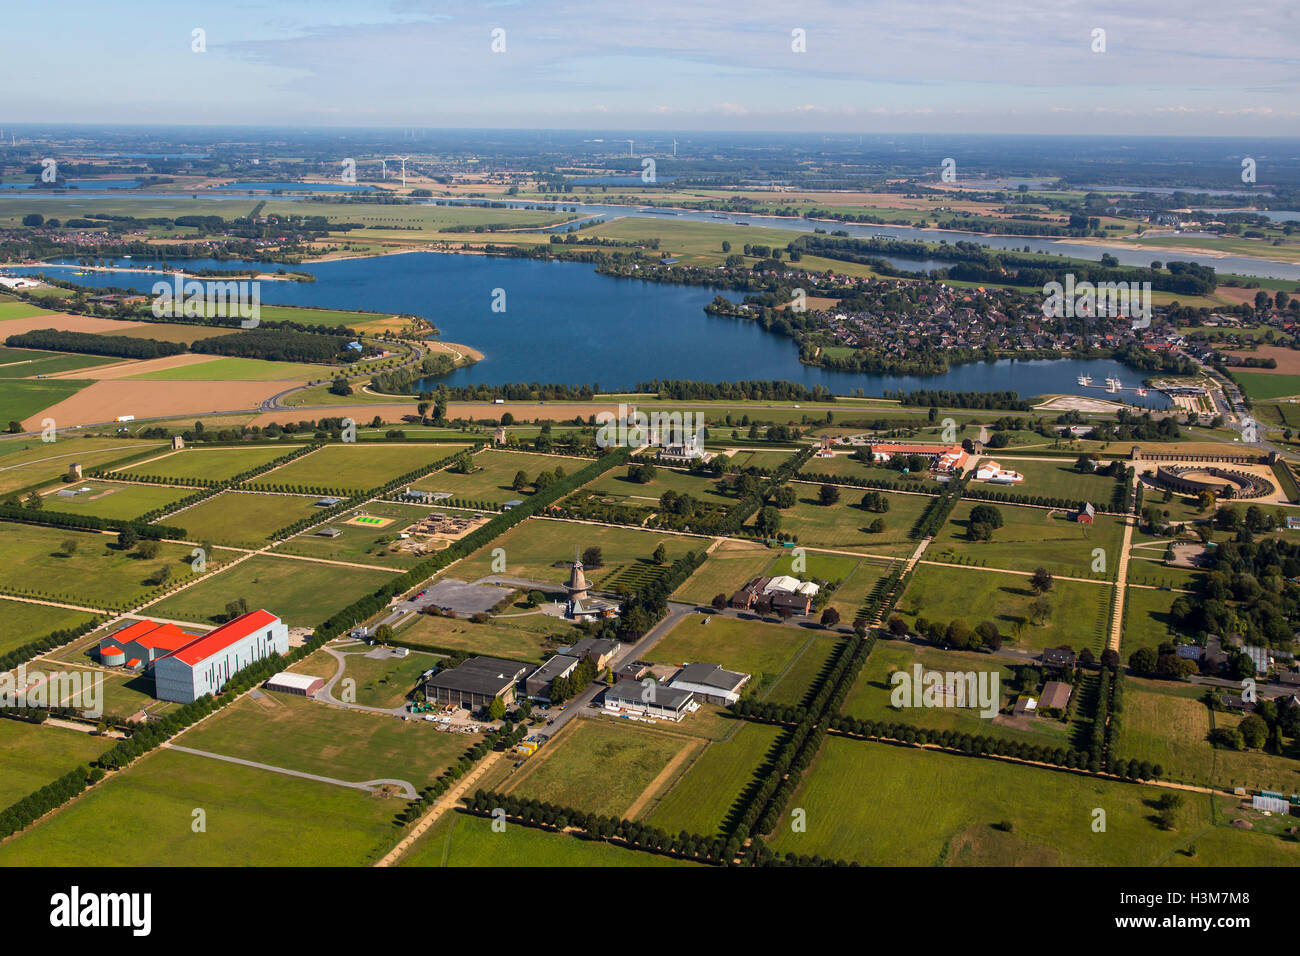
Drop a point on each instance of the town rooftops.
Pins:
(214, 642)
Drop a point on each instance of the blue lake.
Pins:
(564, 323)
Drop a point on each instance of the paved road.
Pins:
(408, 790)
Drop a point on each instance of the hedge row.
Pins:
(50, 641)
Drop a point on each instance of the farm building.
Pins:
(475, 683)
(304, 685)
(205, 664)
(710, 682)
(1086, 515)
(665, 703)
(1056, 695)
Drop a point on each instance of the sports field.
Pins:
(1030, 538)
(355, 467)
(95, 573)
(704, 797)
(285, 730)
(218, 464)
(32, 756)
(599, 766)
(458, 839)
(884, 805)
(110, 499)
(252, 817)
(1079, 610)
(364, 545)
(242, 519)
(303, 593)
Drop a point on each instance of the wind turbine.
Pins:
(383, 169)
(403, 161)
(674, 149)
(629, 146)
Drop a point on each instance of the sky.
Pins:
(1167, 67)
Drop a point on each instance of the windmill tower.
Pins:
(629, 146)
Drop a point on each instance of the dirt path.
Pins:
(448, 801)
(1121, 577)
(661, 779)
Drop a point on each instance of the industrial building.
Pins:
(286, 682)
(659, 701)
(539, 683)
(205, 664)
(475, 683)
(140, 643)
(710, 682)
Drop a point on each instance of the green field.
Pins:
(597, 765)
(844, 525)
(617, 486)
(96, 573)
(756, 648)
(242, 519)
(1078, 618)
(529, 638)
(843, 466)
(727, 570)
(121, 500)
(285, 730)
(21, 623)
(1052, 478)
(11, 309)
(870, 698)
(32, 756)
(239, 370)
(355, 467)
(491, 484)
(1030, 538)
(703, 798)
(809, 665)
(883, 805)
(32, 364)
(20, 399)
(458, 839)
(535, 547)
(218, 464)
(1264, 385)
(30, 461)
(1169, 724)
(303, 593)
(386, 681)
(1147, 622)
(145, 817)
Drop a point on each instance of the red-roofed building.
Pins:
(942, 458)
(203, 665)
(145, 640)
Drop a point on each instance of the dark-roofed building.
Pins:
(1059, 658)
(710, 682)
(1289, 678)
(474, 683)
(654, 700)
(539, 683)
(1190, 652)
(632, 670)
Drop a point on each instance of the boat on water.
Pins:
(1085, 379)
(1140, 392)
(1113, 385)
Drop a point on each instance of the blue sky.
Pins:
(1179, 67)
